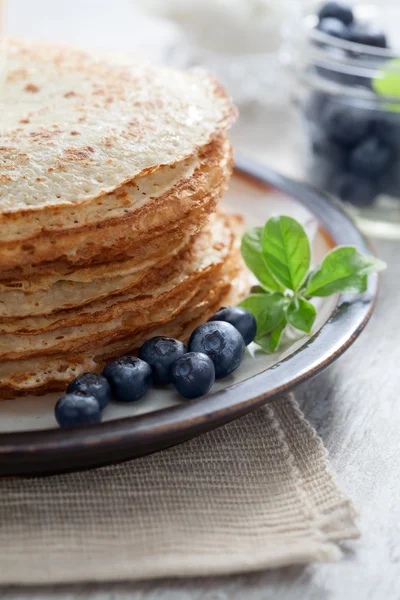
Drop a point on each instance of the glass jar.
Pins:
(350, 122)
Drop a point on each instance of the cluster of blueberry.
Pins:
(354, 155)
(215, 350)
(354, 151)
(338, 20)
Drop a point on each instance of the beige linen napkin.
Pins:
(254, 494)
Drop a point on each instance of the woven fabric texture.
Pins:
(255, 494)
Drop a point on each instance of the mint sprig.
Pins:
(279, 256)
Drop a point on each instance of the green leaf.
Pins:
(301, 314)
(268, 309)
(344, 269)
(286, 251)
(253, 257)
(270, 313)
(387, 82)
(270, 342)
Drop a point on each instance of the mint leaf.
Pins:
(301, 314)
(253, 257)
(286, 251)
(387, 82)
(269, 311)
(344, 269)
(270, 342)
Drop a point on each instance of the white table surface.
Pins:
(354, 405)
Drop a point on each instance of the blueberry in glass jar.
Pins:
(345, 124)
(130, 378)
(371, 157)
(366, 35)
(193, 375)
(338, 20)
(222, 343)
(160, 353)
(334, 27)
(336, 10)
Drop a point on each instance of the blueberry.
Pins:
(359, 191)
(366, 35)
(240, 318)
(92, 384)
(222, 343)
(77, 409)
(336, 10)
(344, 124)
(334, 27)
(371, 157)
(129, 377)
(160, 353)
(193, 375)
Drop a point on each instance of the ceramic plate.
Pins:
(32, 443)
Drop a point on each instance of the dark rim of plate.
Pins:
(53, 450)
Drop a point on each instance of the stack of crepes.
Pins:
(110, 174)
